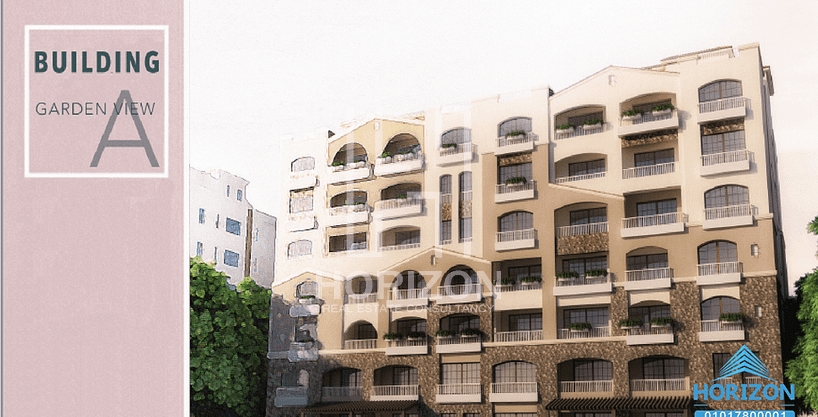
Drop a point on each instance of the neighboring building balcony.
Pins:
(728, 216)
(516, 239)
(583, 285)
(518, 336)
(348, 214)
(726, 108)
(518, 295)
(719, 273)
(291, 397)
(455, 294)
(514, 192)
(648, 279)
(583, 177)
(459, 344)
(338, 394)
(657, 224)
(302, 179)
(415, 297)
(394, 393)
(513, 392)
(458, 393)
(593, 332)
(398, 207)
(350, 172)
(456, 153)
(360, 344)
(648, 122)
(399, 164)
(301, 221)
(649, 334)
(576, 389)
(725, 162)
(515, 144)
(407, 346)
(649, 170)
(721, 331)
(660, 387)
(584, 130)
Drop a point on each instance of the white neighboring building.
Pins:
(226, 229)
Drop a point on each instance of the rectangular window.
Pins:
(446, 231)
(723, 142)
(404, 376)
(216, 254)
(231, 258)
(460, 373)
(407, 238)
(525, 271)
(232, 226)
(584, 264)
(647, 262)
(238, 195)
(580, 120)
(217, 221)
(663, 368)
(465, 229)
(652, 208)
(648, 313)
(228, 191)
(199, 249)
(592, 371)
(515, 171)
(598, 317)
(201, 216)
(586, 168)
(525, 322)
(653, 158)
(719, 359)
(411, 325)
(345, 243)
(597, 215)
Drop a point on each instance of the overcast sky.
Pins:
(262, 70)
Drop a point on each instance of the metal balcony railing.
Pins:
(361, 298)
(725, 157)
(719, 268)
(649, 170)
(648, 274)
(457, 339)
(721, 326)
(361, 344)
(582, 229)
(654, 220)
(648, 329)
(458, 389)
(513, 387)
(396, 203)
(583, 280)
(458, 149)
(572, 178)
(646, 117)
(514, 140)
(723, 104)
(728, 211)
(518, 336)
(586, 386)
(408, 294)
(390, 390)
(519, 286)
(513, 235)
(670, 384)
(513, 188)
(407, 342)
(457, 290)
(585, 334)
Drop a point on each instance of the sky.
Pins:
(260, 71)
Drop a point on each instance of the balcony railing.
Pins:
(584, 334)
(341, 393)
(513, 235)
(646, 117)
(395, 390)
(291, 392)
(647, 171)
(458, 339)
(583, 280)
(648, 274)
(347, 167)
(586, 386)
(648, 329)
(446, 198)
(513, 387)
(671, 384)
(348, 209)
(519, 286)
(361, 298)
(354, 247)
(458, 149)
(723, 104)
(719, 268)
(407, 342)
(396, 203)
(572, 178)
(409, 294)
(654, 220)
(518, 336)
(514, 140)
(753, 380)
(457, 290)
(582, 229)
(721, 326)
(579, 131)
(739, 210)
(458, 389)
(725, 157)
(360, 344)
(513, 188)
(403, 157)
(466, 196)
(399, 247)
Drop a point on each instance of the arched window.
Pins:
(518, 220)
(726, 195)
(303, 164)
(299, 248)
(718, 90)
(460, 275)
(364, 331)
(714, 307)
(515, 372)
(446, 185)
(350, 153)
(456, 136)
(718, 252)
(515, 125)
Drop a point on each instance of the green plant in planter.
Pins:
(449, 145)
(470, 332)
(580, 326)
(592, 122)
(386, 155)
(360, 203)
(516, 180)
(661, 321)
(307, 297)
(403, 196)
(508, 281)
(531, 278)
(391, 336)
(338, 163)
(660, 107)
(632, 112)
(516, 133)
(416, 335)
(630, 322)
(566, 126)
(731, 317)
(569, 274)
(596, 273)
(443, 333)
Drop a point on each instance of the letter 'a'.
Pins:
(123, 100)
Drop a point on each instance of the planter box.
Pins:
(658, 113)
(565, 131)
(593, 126)
(631, 118)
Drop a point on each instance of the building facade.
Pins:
(598, 250)
(227, 230)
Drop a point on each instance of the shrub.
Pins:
(449, 145)
(731, 317)
(660, 107)
(580, 326)
(516, 180)
(469, 332)
(569, 274)
(338, 164)
(307, 297)
(386, 155)
(592, 122)
(416, 335)
(661, 321)
(391, 336)
(630, 322)
(508, 281)
(596, 273)
(531, 278)
(566, 126)
(443, 333)
(516, 133)
(631, 112)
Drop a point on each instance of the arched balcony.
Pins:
(400, 238)
(582, 167)
(647, 269)
(350, 163)
(727, 206)
(585, 378)
(402, 154)
(648, 323)
(400, 200)
(514, 382)
(456, 147)
(722, 319)
(459, 333)
(343, 384)
(361, 335)
(349, 207)
(718, 263)
(582, 121)
(395, 383)
(659, 376)
(515, 230)
(721, 100)
(648, 114)
(302, 173)
(514, 136)
(408, 290)
(407, 337)
(460, 284)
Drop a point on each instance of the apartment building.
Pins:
(227, 230)
(591, 252)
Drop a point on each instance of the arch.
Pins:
(409, 280)
(460, 275)
(580, 157)
(349, 153)
(644, 250)
(515, 220)
(401, 190)
(726, 195)
(348, 198)
(514, 125)
(645, 101)
(647, 258)
(717, 251)
(713, 307)
(456, 136)
(401, 144)
(298, 248)
(514, 371)
(305, 163)
(578, 115)
(360, 330)
(719, 89)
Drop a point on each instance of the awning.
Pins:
(613, 403)
(362, 406)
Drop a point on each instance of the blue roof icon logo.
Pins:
(744, 361)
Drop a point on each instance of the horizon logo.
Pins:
(744, 361)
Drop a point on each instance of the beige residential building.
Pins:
(598, 250)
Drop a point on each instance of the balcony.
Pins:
(583, 177)
(352, 249)
(360, 344)
(407, 347)
(394, 393)
(728, 216)
(725, 162)
(657, 224)
(648, 279)
(349, 214)
(458, 393)
(649, 170)
(583, 285)
(583, 130)
(346, 173)
(513, 392)
(300, 221)
(415, 297)
(301, 180)
(650, 334)
(518, 296)
(594, 332)
(398, 207)
(399, 164)
(461, 153)
(648, 122)
(516, 239)
(361, 298)
(459, 344)
(514, 192)
(515, 144)
(582, 238)
(661, 387)
(455, 294)
(721, 331)
(719, 273)
(338, 394)
(518, 336)
(577, 389)
(302, 352)
(726, 108)
(291, 397)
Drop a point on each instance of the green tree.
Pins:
(803, 370)
(228, 344)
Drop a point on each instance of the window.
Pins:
(299, 248)
(301, 201)
(306, 163)
(199, 249)
(217, 221)
(411, 325)
(458, 136)
(638, 262)
(726, 195)
(584, 264)
(345, 243)
(598, 317)
(718, 252)
(579, 120)
(459, 373)
(514, 125)
(445, 232)
(515, 372)
(592, 370)
(231, 258)
(465, 228)
(343, 378)
(653, 158)
(201, 216)
(646, 108)
(714, 307)
(663, 368)
(719, 359)
(445, 185)
(458, 323)
(518, 220)
(719, 90)
(515, 171)
(649, 312)
(232, 226)
(723, 142)
(407, 238)
(586, 168)
(525, 322)
(652, 208)
(238, 195)
(228, 191)
(597, 215)
(404, 375)
(216, 254)
(366, 331)
(525, 271)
